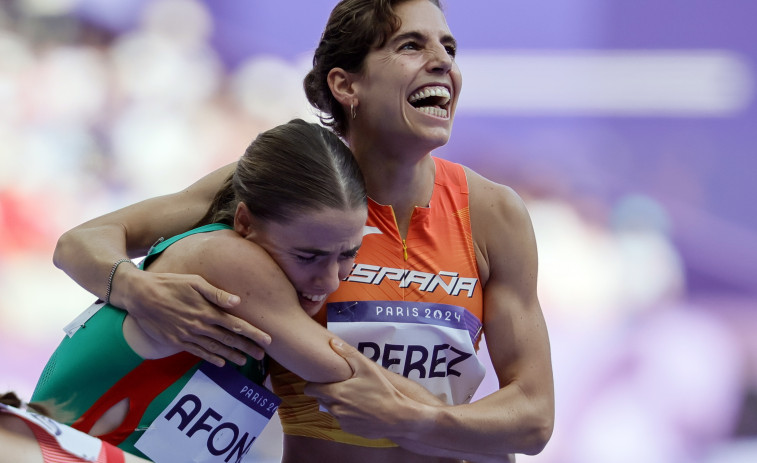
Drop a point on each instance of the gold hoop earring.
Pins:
(353, 113)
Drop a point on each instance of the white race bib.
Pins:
(432, 344)
(69, 439)
(215, 418)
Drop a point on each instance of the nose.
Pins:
(439, 58)
(330, 276)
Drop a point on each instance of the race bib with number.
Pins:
(431, 344)
(215, 418)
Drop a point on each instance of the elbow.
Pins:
(60, 249)
(538, 438)
(318, 372)
(325, 377)
(537, 433)
(335, 373)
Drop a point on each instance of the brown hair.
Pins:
(354, 28)
(10, 398)
(290, 169)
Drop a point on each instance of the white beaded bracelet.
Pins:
(110, 278)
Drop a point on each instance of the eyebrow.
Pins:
(321, 252)
(447, 39)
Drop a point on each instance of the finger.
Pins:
(235, 333)
(217, 296)
(218, 349)
(241, 327)
(226, 300)
(244, 345)
(205, 344)
(349, 353)
(198, 351)
(232, 331)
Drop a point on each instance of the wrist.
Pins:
(420, 419)
(118, 283)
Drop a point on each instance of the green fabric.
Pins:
(162, 244)
(86, 365)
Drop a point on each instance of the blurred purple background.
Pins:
(628, 127)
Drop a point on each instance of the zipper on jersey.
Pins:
(397, 227)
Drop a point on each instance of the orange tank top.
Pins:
(414, 305)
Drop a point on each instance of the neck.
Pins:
(400, 183)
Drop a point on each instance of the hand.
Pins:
(376, 403)
(366, 404)
(186, 311)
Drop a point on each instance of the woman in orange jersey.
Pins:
(446, 254)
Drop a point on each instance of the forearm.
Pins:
(503, 423)
(487, 430)
(87, 254)
(420, 394)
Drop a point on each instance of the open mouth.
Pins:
(311, 303)
(313, 297)
(433, 101)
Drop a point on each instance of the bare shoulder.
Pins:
(489, 197)
(500, 222)
(223, 257)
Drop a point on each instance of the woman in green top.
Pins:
(281, 234)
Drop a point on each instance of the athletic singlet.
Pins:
(61, 444)
(415, 306)
(95, 369)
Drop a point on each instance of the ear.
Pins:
(342, 85)
(243, 220)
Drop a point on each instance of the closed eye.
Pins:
(305, 259)
(351, 254)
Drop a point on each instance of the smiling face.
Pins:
(408, 88)
(315, 250)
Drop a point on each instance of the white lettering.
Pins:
(426, 282)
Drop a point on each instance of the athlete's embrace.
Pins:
(445, 252)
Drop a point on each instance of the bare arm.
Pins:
(268, 301)
(518, 418)
(181, 310)
(371, 384)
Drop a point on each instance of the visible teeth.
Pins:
(314, 297)
(428, 92)
(438, 112)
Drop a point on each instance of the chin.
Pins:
(310, 307)
(436, 139)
